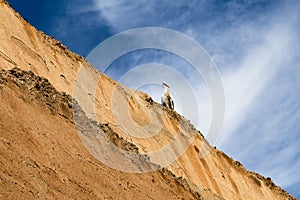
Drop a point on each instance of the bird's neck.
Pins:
(167, 92)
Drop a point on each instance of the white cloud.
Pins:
(244, 84)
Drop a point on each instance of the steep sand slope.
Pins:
(23, 46)
(43, 157)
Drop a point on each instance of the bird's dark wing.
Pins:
(170, 103)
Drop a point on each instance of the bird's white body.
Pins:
(166, 99)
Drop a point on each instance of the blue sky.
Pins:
(253, 43)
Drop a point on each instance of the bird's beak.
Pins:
(166, 85)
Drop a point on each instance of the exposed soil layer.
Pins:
(42, 155)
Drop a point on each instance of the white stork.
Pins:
(166, 99)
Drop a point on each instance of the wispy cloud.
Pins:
(261, 127)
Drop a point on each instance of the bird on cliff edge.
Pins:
(166, 99)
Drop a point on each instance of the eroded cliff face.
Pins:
(42, 156)
(35, 137)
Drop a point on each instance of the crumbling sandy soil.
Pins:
(42, 155)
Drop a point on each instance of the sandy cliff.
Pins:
(41, 151)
